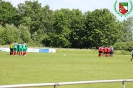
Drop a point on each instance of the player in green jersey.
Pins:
(15, 49)
(20, 49)
(24, 49)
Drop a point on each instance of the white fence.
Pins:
(43, 50)
(55, 85)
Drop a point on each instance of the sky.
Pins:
(83, 5)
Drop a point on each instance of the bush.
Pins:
(2, 42)
(24, 34)
(128, 46)
(55, 40)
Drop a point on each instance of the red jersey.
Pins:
(108, 49)
(105, 49)
(100, 49)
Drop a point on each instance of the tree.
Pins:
(24, 34)
(30, 10)
(38, 19)
(127, 30)
(54, 40)
(7, 12)
(102, 28)
(2, 42)
(77, 28)
(59, 37)
(10, 34)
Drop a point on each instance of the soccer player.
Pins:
(111, 51)
(108, 51)
(132, 55)
(11, 48)
(100, 51)
(24, 49)
(20, 49)
(15, 49)
(105, 51)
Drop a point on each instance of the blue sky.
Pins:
(83, 5)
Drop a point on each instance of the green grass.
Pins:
(77, 65)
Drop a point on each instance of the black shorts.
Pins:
(108, 52)
(11, 51)
(100, 52)
(111, 52)
(105, 52)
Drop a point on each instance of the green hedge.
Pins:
(127, 46)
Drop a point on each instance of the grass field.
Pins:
(76, 65)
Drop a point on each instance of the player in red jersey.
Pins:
(105, 51)
(108, 51)
(100, 51)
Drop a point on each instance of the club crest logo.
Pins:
(124, 8)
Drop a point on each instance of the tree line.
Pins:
(38, 25)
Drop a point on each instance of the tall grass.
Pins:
(65, 65)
